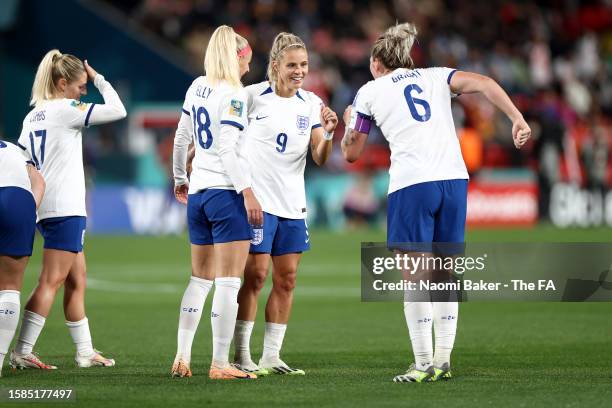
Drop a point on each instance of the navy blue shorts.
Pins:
(280, 236)
(63, 233)
(215, 216)
(427, 212)
(17, 221)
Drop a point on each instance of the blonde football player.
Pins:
(52, 135)
(220, 202)
(284, 121)
(21, 190)
(428, 178)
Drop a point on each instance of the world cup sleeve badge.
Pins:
(236, 107)
(302, 122)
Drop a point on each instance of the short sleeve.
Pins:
(315, 111)
(76, 114)
(234, 109)
(443, 76)
(361, 115)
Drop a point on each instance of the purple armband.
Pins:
(363, 123)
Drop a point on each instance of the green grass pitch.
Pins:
(506, 354)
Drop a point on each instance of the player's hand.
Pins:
(91, 73)
(253, 208)
(520, 132)
(346, 117)
(180, 192)
(329, 119)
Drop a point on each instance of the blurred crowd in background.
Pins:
(553, 57)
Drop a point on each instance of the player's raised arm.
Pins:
(355, 136)
(112, 109)
(321, 137)
(468, 82)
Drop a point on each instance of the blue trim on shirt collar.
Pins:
(89, 114)
(186, 112)
(299, 96)
(21, 146)
(267, 91)
(232, 123)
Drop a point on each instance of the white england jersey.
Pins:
(209, 107)
(413, 110)
(13, 172)
(52, 136)
(277, 142)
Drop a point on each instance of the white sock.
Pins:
(31, 326)
(419, 320)
(273, 341)
(223, 318)
(445, 328)
(242, 340)
(81, 337)
(9, 319)
(190, 314)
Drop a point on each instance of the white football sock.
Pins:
(190, 314)
(273, 341)
(445, 328)
(81, 337)
(223, 318)
(242, 340)
(9, 319)
(31, 326)
(419, 320)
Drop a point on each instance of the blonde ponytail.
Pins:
(221, 61)
(394, 46)
(282, 42)
(51, 69)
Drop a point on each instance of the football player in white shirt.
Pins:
(21, 190)
(52, 135)
(428, 179)
(284, 121)
(220, 203)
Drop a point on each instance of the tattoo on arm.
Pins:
(348, 139)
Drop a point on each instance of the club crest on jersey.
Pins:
(257, 236)
(236, 107)
(79, 105)
(302, 122)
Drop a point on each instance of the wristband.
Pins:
(328, 136)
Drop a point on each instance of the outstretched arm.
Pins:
(469, 82)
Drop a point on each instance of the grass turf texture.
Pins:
(506, 354)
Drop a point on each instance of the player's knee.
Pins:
(286, 281)
(49, 283)
(256, 279)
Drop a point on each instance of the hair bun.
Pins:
(403, 31)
